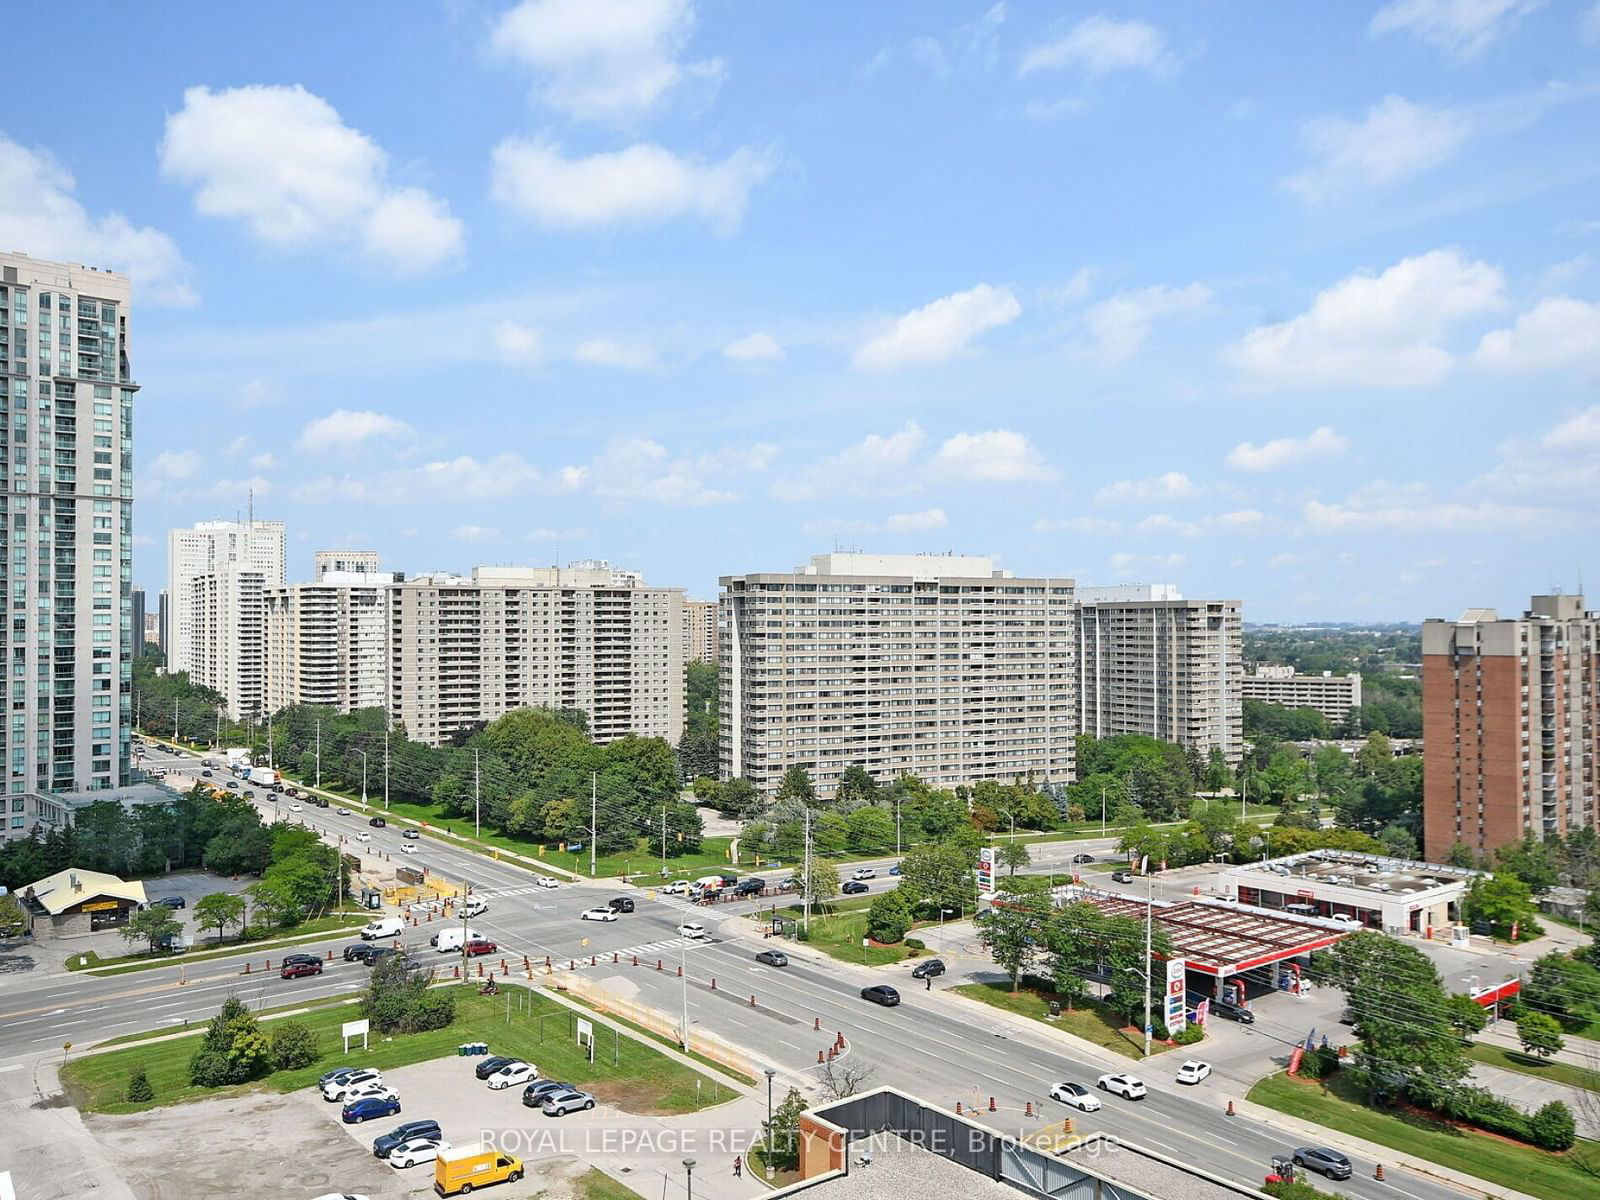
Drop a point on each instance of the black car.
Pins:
(853, 887)
(1082, 858)
(401, 1134)
(621, 904)
(533, 1095)
(493, 1063)
(1122, 876)
(934, 967)
(1323, 1161)
(1233, 1012)
(366, 952)
(773, 958)
(750, 886)
(881, 993)
(301, 958)
(170, 902)
(377, 822)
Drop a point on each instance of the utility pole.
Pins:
(683, 964)
(805, 879)
(1244, 792)
(477, 794)
(386, 768)
(1102, 810)
(319, 752)
(896, 850)
(466, 959)
(1149, 911)
(663, 843)
(175, 719)
(594, 816)
(216, 742)
(269, 739)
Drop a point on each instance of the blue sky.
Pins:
(1287, 303)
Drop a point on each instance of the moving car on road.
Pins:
(678, 887)
(773, 958)
(864, 873)
(1129, 1087)
(363, 836)
(853, 887)
(1323, 1161)
(1082, 858)
(1076, 1095)
(477, 946)
(408, 848)
(416, 1151)
(620, 904)
(1122, 877)
(513, 1074)
(1193, 1071)
(383, 927)
(411, 835)
(597, 914)
(559, 1104)
(692, 929)
(427, 1127)
(750, 885)
(881, 993)
(296, 965)
(932, 967)
(545, 881)
(342, 811)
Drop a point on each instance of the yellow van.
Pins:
(462, 1169)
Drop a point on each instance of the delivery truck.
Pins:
(467, 1168)
(264, 776)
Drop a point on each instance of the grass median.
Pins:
(643, 1080)
(838, 931)
(1338, 1105)
(1539, 1068)
(1090, 1020)
(145, 961)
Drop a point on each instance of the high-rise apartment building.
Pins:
(345, 562)
(464, 650)
(327, 642)
(1151, 662)
(938, 666)
(205, 549)
(163, 637)
(1510, 725)
(139, 620)
(700, 630)
(226, 620)
(1331, 695)
(66, 523)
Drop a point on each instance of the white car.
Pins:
(363, 836)
(1076, 1095)
(417, 1150)
(597, 914)
(1193, 1071)
(864, 873)
(678, 887)
(513, 1074)
(343, 812)
(692, 929)
(407, 848)
(294, 808)
(1129, 1087)
(338, 1088)
(1346, 921)
(545, 881)
(372, 1090)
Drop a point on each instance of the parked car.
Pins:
(488, 1066)
(427, 1127)
(337, 1083)
(533, 1095)
(513, 1075)
(692, 929)
(369, 1109)
(1076, 1095)
(597, 914)
(1323, 1161)
(1193, 1071)
(1233, 1012)
(411, 835)
(881, 993)
(853, 887)
(773, 958)
(1082, 858)
(864, 873)
(1122, 876)
(416, 1151)
(477, 946)
(339, 1074)
(378, 823)
(559, 1104)
(170, 902)
(1129, 1087)
(298, 966)
(1346, 921)
(371, 1090)
(621, 904)
(930, 967)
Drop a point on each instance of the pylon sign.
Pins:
(986, 869)
(1177, 1010)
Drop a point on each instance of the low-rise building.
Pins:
(1331, 695)
(1391, 894)
(45, 811)
(74, 902)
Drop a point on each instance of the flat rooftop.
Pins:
(900, 1168)
(1361, 872)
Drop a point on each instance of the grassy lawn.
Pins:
(755, 1165)
(595, 1184)
(838, 929)
(652, 1036)
(122, 964)
(1523, 1168)
(187, 1030)
(1528, 1064)
(644, 1080)
(1091, 1020)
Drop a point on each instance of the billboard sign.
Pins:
(986, 869)
(1176, 1014)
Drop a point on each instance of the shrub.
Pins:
(912, 943)
(1481, 1107)
(434, 1009)
(139, 1089)
(1296, 1190)
(1552, 1127)
(1319, 1064)
(1189, 1035)
(255, 933)
(889, 917)
(294, 1044)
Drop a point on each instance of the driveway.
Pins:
(1529, 1094)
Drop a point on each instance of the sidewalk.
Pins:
(1578, 1052)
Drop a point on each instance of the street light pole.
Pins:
(1149, 913)
(319, 752)
(386, 768)
(363, 754)
(766, 1139)
(688, 1167)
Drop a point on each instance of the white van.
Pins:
(383, 927)
(450, 939)
(473, 905)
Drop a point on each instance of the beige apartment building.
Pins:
(700, 630)
(1154, 663)
(327, 642)
(225, 620)
(1511, 725)
(344, 562)
(470, 649)
(939, 666)
(1331, 695)
(207, 548)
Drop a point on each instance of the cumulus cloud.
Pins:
(754, 347)
(1125, 565)
(1425, 517)
(894, 464)
(1463, 29)
(1556, 333)
(1100, 46)
(1560, 466)
(1394, 139)
(602, 60)
(994, 456)
(627, 356)
(643, 184)
(1322, 442)
(265, 461)
(175, 465)
(925, 521)
(1089, 526)
(474, 534)
(40, 215)
(518, 345)
(1374, 330)
(939, 331)
(283, 161)
(1156, 489)
(343, 429)
(1120, 325)
(641, 469)
(554, 535)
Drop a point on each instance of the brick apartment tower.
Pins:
(1510, 725)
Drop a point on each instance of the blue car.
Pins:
(372, 1107)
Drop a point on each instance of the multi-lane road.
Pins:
(938, 1046)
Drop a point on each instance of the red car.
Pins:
(479, 946)
(299, 965)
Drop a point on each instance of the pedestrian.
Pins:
(928, 979)
(738, 1166)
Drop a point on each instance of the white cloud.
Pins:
(1172, 485)
(602, 352)
(1088, 526)
(265, 461)
(462, 479)
(1166, 523)
(1286, 559)
(638, 468)
(554, 535)
(1374, 330)
(1561, 466)
(343, 429)
(1396, 138)
(283, 161)
(971, 47)
(474, 534)
(1463, 29)
(939, 331)
(1320, 443)
(1099, 46)
(924, 521)
(754, 347)
(518, 345)
(1455, 516)
(1240, 521)
(40, 215)
(1073, 291)
(644, 184)
(228, 490)
(1125, 564)
(879, 464)
(602, 60)
(1555, 333)
(994, 456)
(1557, 277)
(1119, 326)
(175, 465)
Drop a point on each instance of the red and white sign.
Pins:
(1306, 894)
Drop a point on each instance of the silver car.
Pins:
(559, 1104)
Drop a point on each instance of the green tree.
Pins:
(1218, 775)
(1565, 987)
(398, 1000)
(1014, 856)
(821, 883)
(151, 925)
(294, 1045)
(1553, 1128)
(739, 798)
(940, 876)
(856, 786)
(1533, 862)
(869, 830)
(232, 1049)
(1074, 937)
(888, 917)
(218, 910)
(1397, 842)
(781, 1135)
(1460, 855)
(1504, 901)
(12, 919)
(272, 902)
(795, 787)
(1467, 1016)
(1539, 1034)
(1012, 929)
(139, 1089)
